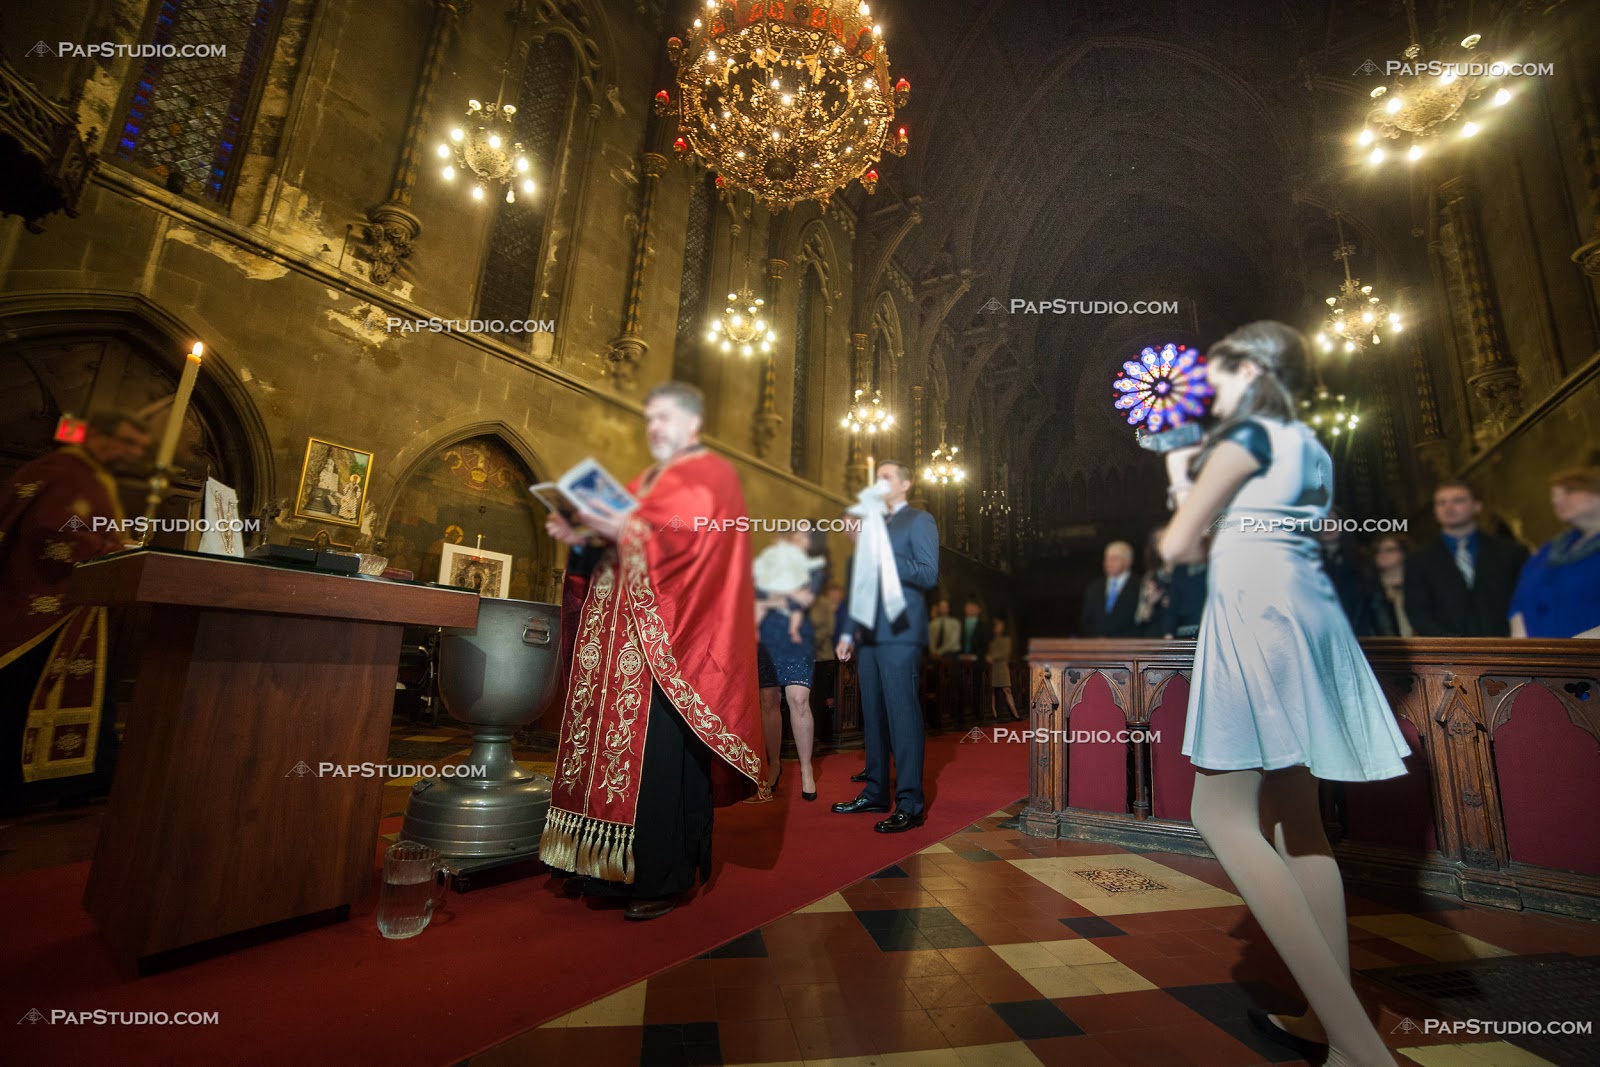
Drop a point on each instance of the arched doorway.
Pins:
(76, 361)
(470, 488)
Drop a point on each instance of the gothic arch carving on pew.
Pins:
(1153, 701)
(1580, 696)
(1405, 695)
(1043, 700)
(1117, 678)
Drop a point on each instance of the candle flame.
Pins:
(198, 350)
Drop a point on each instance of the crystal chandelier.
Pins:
(868, 416)
(1428, 93)
(790, 101)
(486, 147)
(1329, 414)
(1356, 318)
(741, 325)
(942, 468)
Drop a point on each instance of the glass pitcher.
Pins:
(414, 879)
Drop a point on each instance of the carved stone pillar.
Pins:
(1433, 451)
(1494, 380)
(628, 350)
(764, 432)
(391, 227)
(1587, 114)
(962, 540)
(919, 495)
(855, 478)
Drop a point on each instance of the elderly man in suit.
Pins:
(1460, 584)
(891, 657)
(1110, 604)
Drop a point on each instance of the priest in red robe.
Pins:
(662, 708)
(54, 711)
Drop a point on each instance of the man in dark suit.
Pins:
(1110, 604)
(891, 659)
(975, 634)
(1460, 584)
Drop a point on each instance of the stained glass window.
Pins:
(696, 279)
(800, 439)
(189, 115)
(544, 106)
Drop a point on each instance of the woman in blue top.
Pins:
(1558, 594)
(1281, 694)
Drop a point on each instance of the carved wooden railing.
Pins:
(1500, 799)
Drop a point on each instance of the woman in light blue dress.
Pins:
(1281, 694)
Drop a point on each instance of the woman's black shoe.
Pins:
(808, 796)
(1262, 1021)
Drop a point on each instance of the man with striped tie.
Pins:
(1460, 584)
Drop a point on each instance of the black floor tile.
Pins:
(1036, 1020)
(743, 947)
(681, 1045)
(908, 929)
(979, 855)
(892, 871)
(1224, 1006)
(1092, 926)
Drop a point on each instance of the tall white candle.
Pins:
(872, 471)
(180, 406)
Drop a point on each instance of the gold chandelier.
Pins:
(1329, 414)
(741, 325)
(487, 147)
(789, 101)
(868, 416)
(994, 503)
(1356, 318)
(1427, 94)
(942, 468)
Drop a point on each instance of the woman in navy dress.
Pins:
(1281, 694)
(787, 640)
(1558, 594)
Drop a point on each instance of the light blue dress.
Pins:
(1279, 679)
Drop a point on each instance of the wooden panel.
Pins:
(210, 829)
(213, 581)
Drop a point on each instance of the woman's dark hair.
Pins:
(1280, 352)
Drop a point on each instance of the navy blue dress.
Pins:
(786, 662)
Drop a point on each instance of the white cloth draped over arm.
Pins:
(874, 571)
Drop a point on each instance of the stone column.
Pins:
(1587, 113)
(627, 350)
(391, 227)
(855, 478)
(1433, 450)
(764, 431)
(919, 492)
(1493, 377)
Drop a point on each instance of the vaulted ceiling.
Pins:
(1124, 150)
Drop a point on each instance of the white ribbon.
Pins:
(874, 571)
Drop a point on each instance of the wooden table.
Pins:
(251, 676)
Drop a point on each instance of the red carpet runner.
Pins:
(493, 963)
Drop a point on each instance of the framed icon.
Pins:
(333, 482)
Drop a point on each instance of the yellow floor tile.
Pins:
(1397, 926)
(935, 849)
(1115, 978)
(1077, 952)
(1024, 955)
(831, 902)
(1451, 946)
(624, 1008)
(1011, 1054)
(1482, 1054)
(1061, 982)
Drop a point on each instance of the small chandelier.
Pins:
(1428, 94)
(1329, 415)
(790, 101)
(868, 416)
(994, 503)
(942, 468)
(487, 147)
(742, 325)
(1356, 318)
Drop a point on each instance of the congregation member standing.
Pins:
(1460, 583)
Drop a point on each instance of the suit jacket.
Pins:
(914, 539)
(944, 635)
(1437, 599)
(981, 634)
(1097, 622)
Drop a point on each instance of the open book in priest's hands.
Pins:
(587, 487)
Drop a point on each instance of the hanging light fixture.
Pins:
(942, 468)
(486, 147)
(790, 101)
(1356, 318)
(743, 324)
(994, 503)
(1429, 93)
(1332, 417)
(868, 416)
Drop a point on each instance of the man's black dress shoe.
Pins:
(859, 804)
(859, 777)
(1263, 1024)
(898, 823)
(641, 910)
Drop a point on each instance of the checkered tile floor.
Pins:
(996, 948)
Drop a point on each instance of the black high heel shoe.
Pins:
(1262, 1023)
